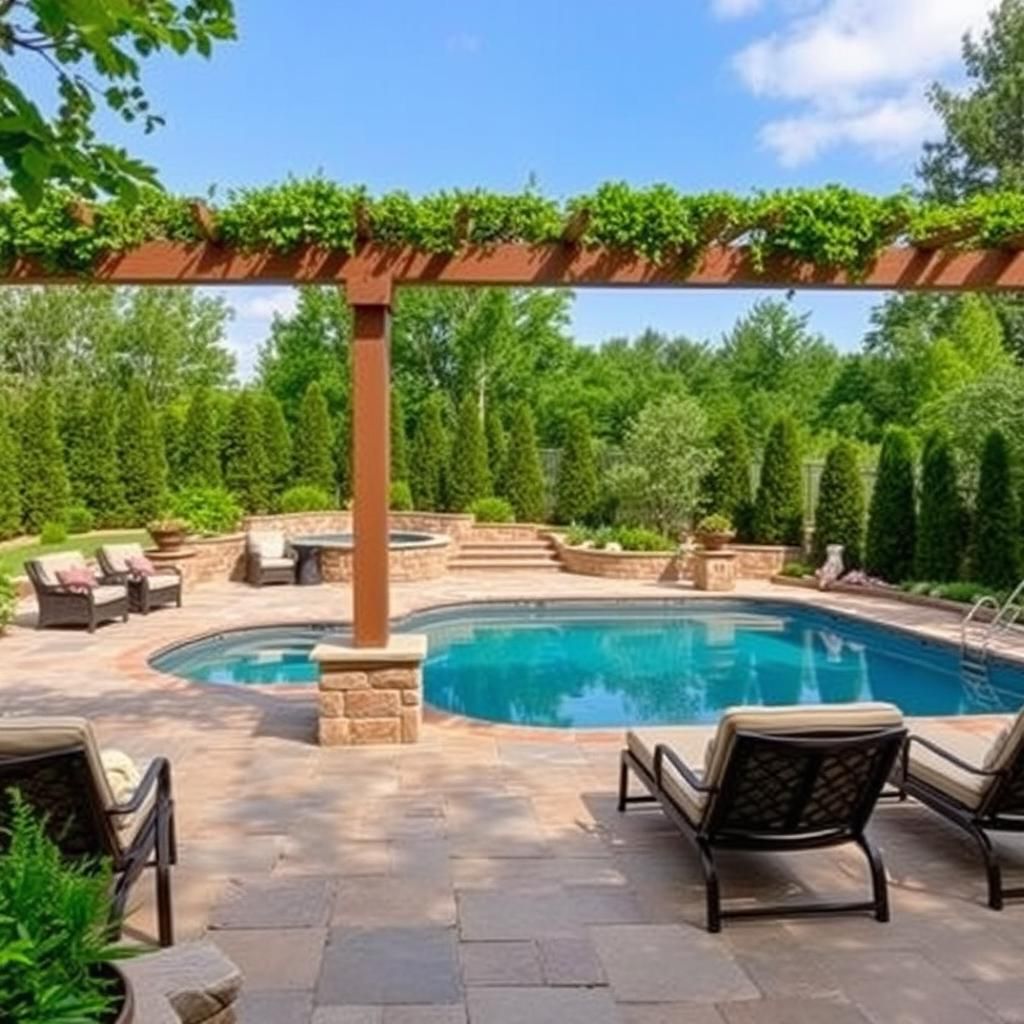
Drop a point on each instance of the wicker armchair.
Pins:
(144, 592)
(271, 558)
(96, 803)
(776, 779)
(59, 606)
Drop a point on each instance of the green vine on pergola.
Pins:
(831, 227)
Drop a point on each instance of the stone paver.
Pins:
(393, 902)
(541, 1006)
(792, 1011)
(523, 914)
(500, 963)
(288, 959)
(275, 1008)
(275, 903)
(669, 1013)
(569, 961)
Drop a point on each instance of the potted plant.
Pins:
(715, 531)
(56, 956)
(168, 534)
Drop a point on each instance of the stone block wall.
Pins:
(404, 564)
(497, 533)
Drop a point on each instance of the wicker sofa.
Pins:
(62, 606)
(144, 592)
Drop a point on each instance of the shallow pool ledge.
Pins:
(370, 694)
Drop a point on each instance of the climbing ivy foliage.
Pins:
(833, 227)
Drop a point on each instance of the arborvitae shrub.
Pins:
(524, 476)
(995, 547)
(400, 496)
(245, 458)
(497, 448)
(141, 456)
(727, 489)
(101, 481)
(343, 454)
(10, 478)
(399, 452)
(778, 508)
(73, 425)
(199, 462)
(428, 471)
(576, 486)
(277, 445)
(80, 519)
(305, 499)
(313, 448)
(45, 492)
(470, 477)
(839, 517)
(492, 510)
(172, 434)
(892, 521)
(941, 521)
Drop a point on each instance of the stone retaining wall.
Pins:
(426, 562)
(214, 559)
(497, 533)
(299, 524)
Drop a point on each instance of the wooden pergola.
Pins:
(370, 275)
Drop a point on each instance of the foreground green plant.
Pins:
(207, 510)
(492, 510)
(305, 498)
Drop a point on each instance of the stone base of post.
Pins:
(370, 694)
(714, 570)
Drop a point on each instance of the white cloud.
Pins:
(734, 8)
(856, 70)
(267, 304)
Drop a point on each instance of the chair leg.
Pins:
(163, 876)
(879, 885)
(993, 872)
(711, 889)
(623, 784)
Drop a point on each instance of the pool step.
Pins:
(501, 556)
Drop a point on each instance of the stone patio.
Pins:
(484, 874)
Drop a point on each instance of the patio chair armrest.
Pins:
(158, 774)
(945, 755)
(114, 578)
(663, 751)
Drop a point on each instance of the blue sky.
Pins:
(732, 94)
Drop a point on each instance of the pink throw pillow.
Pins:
(140, 565)
(78, 579)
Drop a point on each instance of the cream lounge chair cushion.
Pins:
(108, 593)
(268, 544)
(643, 742)
(50, 565)
(116, 774)
(117, 555)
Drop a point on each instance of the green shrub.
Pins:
(100, 474)
(8, 600)
(577, 535)
(45, 491)
(400, 497)
(639, 538)
(727, 486)
(305, 499)
(995, 547)
(10, 478)
(200, 443)
(53, 533)
(141, 455)
(576, 486)
(397, 440)
(497, 447)
(492, 510)
(207, 510)
(80, 519)
(942, 518)
(796, 570)
(892, 520)
(313, 442)
(839, 517)
(428, 473)
(524, 478)
(715, 523)
(470, 476)
(277, 444)
(964, 591)
(246, 471)
(778, 509)
(54, 932)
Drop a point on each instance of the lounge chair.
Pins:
(60, 604)
(145, 591)
(271, 558)
(775, 779)
(96, 803)
(980, 799)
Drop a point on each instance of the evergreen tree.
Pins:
(141, 456)
(246, 470)
(399, 454)
(172, 433)
(839, 517)
(313, 450)
(778, 508)
(277, 445)
(75, 427)
(524, 476)
(940, 528)
(576, 487)
(343, 453)
(45, 492)
(101, 475)
(995, 548)
(727, 488)
(199, 464)
(892, 520)
(429, 470)
(10, 479)
(470, 474)
(497, 448)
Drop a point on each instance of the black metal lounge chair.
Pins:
(984, 799)
(144, 592)
(62, 606)
(59, 770)
(776, 779)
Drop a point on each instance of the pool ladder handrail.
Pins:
(974, 664)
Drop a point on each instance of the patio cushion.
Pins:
(140, 565)
(123, 777)
(642, 744)
(107, 594)
(78, 579)
(163, 581)
(49, 565)
(266, 543)
(940, 774)
(117, 555)
(1007, 746)
(277, 563)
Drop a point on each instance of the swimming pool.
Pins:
(604, 664)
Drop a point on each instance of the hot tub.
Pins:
(327, 557)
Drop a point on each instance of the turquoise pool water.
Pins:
(630, 663)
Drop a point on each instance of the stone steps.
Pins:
(504, 555)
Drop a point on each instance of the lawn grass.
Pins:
(12, 559)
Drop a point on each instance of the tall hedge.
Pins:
(892, 520)
(141, 456)
(75, 429)
(778, 509)
(524, 478)
(313, 442)
(10, 478)
(995, 545)
(727, 489)
(45, 492)
(942, 517)
(576, 485)
(199, 463)
(839, 516)
(172, 433)
(428, 472)
(497, 447)
(343, 453)
(470, 477)
(277, 445)
(246, 471)
(103, 481)
(397, 438)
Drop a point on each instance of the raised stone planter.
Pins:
(620, 565)
(371, 694)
